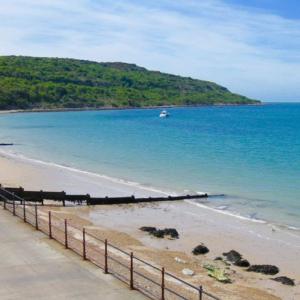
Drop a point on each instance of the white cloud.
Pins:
(252, 53)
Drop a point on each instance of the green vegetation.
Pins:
(45, 83)
(217, 273)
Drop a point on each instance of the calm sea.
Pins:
(251, 154)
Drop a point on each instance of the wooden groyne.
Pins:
(20, 194)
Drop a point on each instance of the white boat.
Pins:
(164, 114)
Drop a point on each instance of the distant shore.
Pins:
(35, 110)
(258, 242)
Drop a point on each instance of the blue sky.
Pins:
(284, 8)
(252, 47)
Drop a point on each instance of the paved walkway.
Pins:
(36, 268)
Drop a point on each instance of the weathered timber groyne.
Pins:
(20, 194)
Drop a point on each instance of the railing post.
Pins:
(14, 207)
(200, 292)
(83, 244)
(105, 257)
(131, 271)
(24, 211)
(66, 233)
(36, 218)
(50, 227)
(163, 284)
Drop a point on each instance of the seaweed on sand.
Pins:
(217, 273)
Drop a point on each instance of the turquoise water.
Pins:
(249, 153)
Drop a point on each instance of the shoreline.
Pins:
(37, 110)
(114, 180)
(154, 191)
(220, 232)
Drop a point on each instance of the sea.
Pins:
(246, 157)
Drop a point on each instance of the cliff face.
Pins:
(30, 82)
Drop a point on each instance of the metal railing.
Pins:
(138, 274)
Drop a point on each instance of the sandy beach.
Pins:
(258, 242)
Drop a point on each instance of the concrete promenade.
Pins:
(36, 268)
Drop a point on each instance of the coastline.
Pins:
(69, 179)
(258, 242)
(37, 110)
(122, 187)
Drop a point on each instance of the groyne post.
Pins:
(131, 271)
(64, 198)
(88, 199)
(14, 207)
(105, 257)
(4, 204)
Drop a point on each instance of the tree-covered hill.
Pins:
(45, 83)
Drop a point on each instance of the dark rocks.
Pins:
(161, 233)
(158, 233)
(236, 258)
(200, 249)
(172, 232)
(265, 269)
(232, 256)
(284, 280)
(242, 263)
(148, 229)
(218, 258)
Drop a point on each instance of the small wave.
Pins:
(201, 193)
(293, 228)
(225, 212)
(222, 207)
(280, 227)
(290, 229)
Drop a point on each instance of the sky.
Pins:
(250, 46)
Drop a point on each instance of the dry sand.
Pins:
(259, 243)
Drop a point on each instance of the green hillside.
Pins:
(45, 83)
